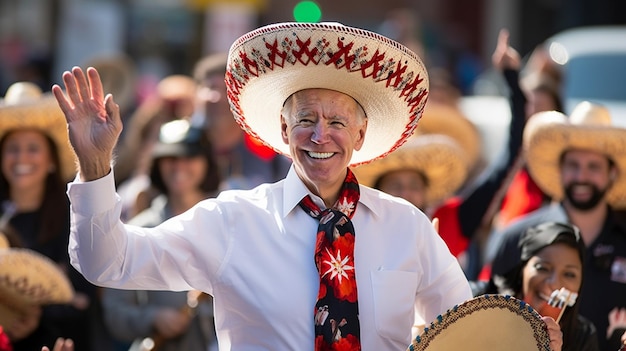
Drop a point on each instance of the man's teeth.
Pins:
(320, 154)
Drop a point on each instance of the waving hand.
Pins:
(94, 121)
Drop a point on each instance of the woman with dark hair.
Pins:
(552, 256)
(183, 172)
(36, 163)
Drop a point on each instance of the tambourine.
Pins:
(487, 322)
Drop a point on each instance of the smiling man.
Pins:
(329, 96)
(580, 162)
(322, 128)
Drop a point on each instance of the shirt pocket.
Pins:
(394, 300)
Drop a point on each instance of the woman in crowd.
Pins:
(173, 99)
(183, 172)
(36, 162)
(552, 255)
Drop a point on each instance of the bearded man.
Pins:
(580, 162)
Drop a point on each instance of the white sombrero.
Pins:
(487, 322)
(30, 278)
(271, 63)
(438, 157)
(43, 114)
(548, 134)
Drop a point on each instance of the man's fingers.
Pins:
(64, 104)
(83, 86)
(112, 109)
(97, 92)
(70, 87)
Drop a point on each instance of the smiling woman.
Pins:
(36, 161)
(551, 258)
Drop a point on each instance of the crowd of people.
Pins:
(286, 195)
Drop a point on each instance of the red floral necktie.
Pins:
(336, 312)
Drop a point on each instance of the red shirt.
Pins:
(450, 227)
(522, 197)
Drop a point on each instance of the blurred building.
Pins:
(41, 38)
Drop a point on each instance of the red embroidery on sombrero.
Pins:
(387, 79)
(378, 67)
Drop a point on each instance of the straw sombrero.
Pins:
(21, 92)
(118, 76)
(548, 134)
(4, 241)
(43, 114)
(438, 157)
(271, 63)
(487, 322)
(443, 119)
(28, 277)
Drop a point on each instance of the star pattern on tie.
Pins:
(346, 206)
(338, 266)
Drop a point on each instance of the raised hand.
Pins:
(617, 320)
(94, 121)
(61, 344)
(554, 332)
(504, 56)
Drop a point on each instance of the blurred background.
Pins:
(39, 39)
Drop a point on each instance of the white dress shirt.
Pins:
(253, 251)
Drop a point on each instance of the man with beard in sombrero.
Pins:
(580, 162)
(314, 261)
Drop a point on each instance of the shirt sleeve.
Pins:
(443, 283)
(93, 229)
(112, 254)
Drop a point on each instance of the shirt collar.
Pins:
(295, 190)
(370, 200)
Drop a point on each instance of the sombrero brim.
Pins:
(8, 315)
(488, 322)
(43, 114)
(438, 157)
(268, 65)
(442, 119)
(27, 278)
(548, 135)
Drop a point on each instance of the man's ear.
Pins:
(283, 129)
(361, 140)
